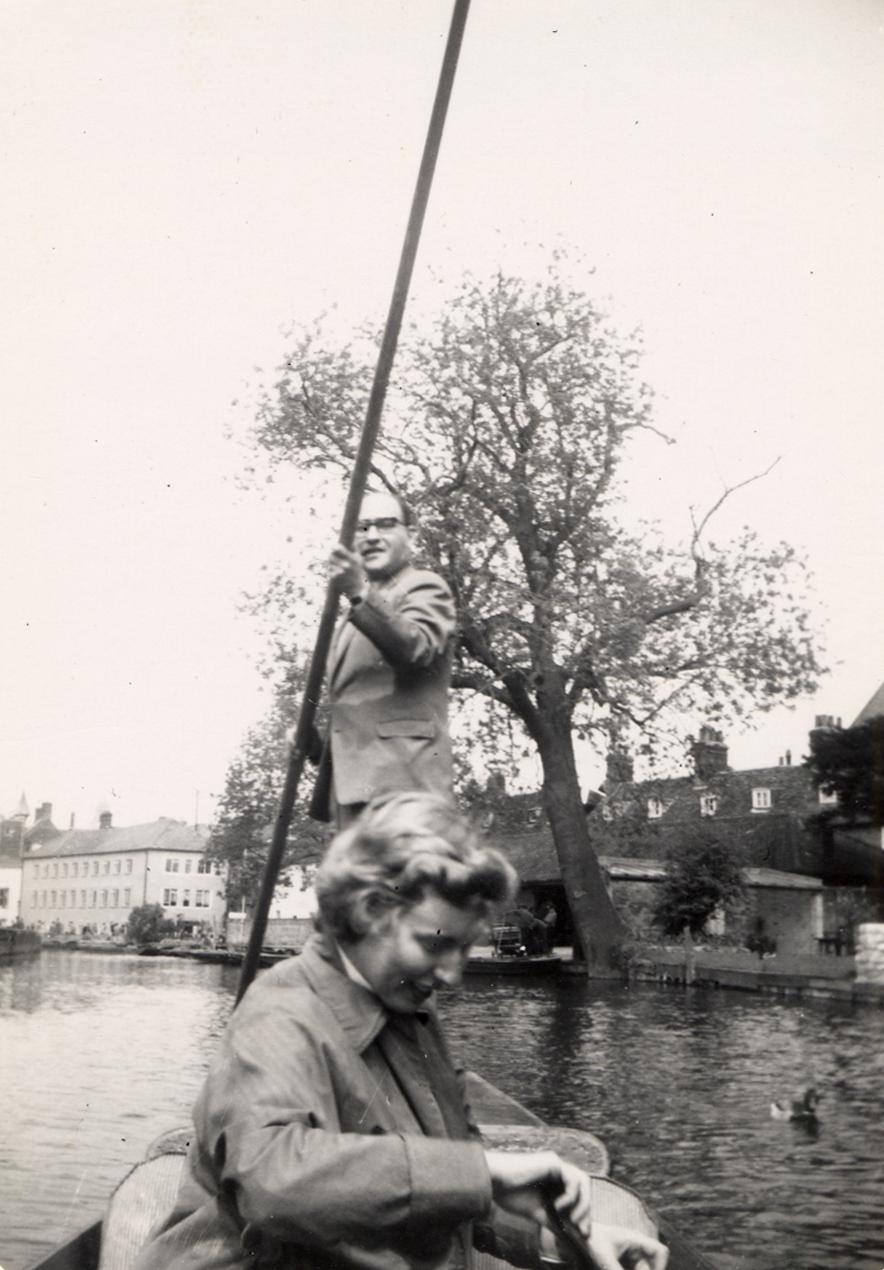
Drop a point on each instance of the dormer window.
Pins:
(828, 800)
(655, 809)
(760, 799)
(708, 804)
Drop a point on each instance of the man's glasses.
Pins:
(383, 523)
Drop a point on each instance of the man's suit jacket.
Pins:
(389, 674)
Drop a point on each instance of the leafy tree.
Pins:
(849, 762)
(507, 429)
(703, 874)
(147, 923)
(247, 809)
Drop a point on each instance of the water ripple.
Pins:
(104, 1053)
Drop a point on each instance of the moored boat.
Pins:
(524, 966)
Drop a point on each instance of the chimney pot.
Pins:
(618, 768)
(709, 753)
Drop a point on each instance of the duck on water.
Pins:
(802, 1107)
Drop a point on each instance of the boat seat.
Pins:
(147, 1194)
(143, 1199)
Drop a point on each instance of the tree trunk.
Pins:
(599, 928)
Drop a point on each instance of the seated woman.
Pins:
(331, 1131)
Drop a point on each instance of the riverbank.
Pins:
(811, 976)
(18, 943)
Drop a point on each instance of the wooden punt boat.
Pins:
(525, 966)
(147, 1193)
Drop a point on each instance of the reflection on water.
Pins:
(103, 1053)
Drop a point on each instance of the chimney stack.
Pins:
(823, 725)
(619, 768)
(709, 753)
(104, 820)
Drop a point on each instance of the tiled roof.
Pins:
(791, 790)
(161, 835)
(654, 871)
(873, 707)
(534, 858)
(531, 853)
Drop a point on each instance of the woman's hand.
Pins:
(615, 1247)
(519, 1181)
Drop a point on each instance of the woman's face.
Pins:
(410, 952)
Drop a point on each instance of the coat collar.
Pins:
(360, 1013)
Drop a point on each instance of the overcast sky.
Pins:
(185, 179)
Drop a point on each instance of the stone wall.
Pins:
(870, 952)
(282, 932)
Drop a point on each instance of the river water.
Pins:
(99, 1054)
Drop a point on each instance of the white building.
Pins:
(10, 884)
(91, 879)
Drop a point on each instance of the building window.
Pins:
(761, 799)
(708, 805)
(74, 869)
(202, 899)
(128, 866)
(52, 899)
(185, 899)
(115, 902)
(35, 898)
(188, 865)
(43, 899)
(94, 867)
(107, 866)
(118, 864)
(127, 897)
(64, 870)
(104, 899)
(655, 809)
(82, 899)
(93, 901)
(55, 869)
(170, 898)
(4, 897)
(204, 866)
(172, 866)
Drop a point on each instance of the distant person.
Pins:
(389, 669)
(549, 916)
(332, 1131)
(532, 931)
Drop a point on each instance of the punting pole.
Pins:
(370, 429)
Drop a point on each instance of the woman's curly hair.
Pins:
(402, 846)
